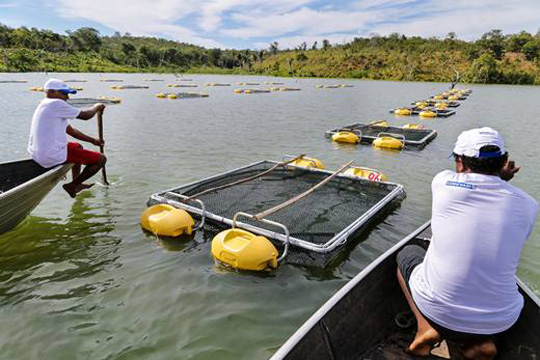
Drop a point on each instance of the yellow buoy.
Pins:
(441, 106)
(238, 91)
(382, 123)
(309, 162)
(403, 111)
(166, 220)
(438, 97)
(388, 142)
(248, 91)
(161, 95)
(414, 126)
(346, 137)
(366, 173)
(172, 96)
(243, 250)
(453, 97)
(427, 113)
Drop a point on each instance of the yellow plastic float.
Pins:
(381, 123)
(161, 95)
(414, 126)
(36, 88)
(441, 106)
(403, 111)
(172, 96)
(244, 250)
(438, 97)
(308, 162)
(427, 113)
(366, 173)
(388, 141)
(346, 137)
(453, 97)
(166, 220)
(238, 91)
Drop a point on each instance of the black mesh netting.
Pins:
(316, 218)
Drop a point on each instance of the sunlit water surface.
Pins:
(79, 279)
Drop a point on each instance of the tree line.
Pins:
(493, 58)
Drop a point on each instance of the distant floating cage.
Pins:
(417, 110)
(13, 81)
(217, 84)
(182, 79)
(354, 202)
(75, 81)
(127, 87)
(418, 138)
(153, 79)
(433, 102)
(251, 91)
(86, 102)
(182, 85)
(289, 89)
(182, 95)
(36, 88)
(246, 83)
(337, 86)
(111, 80)
(274, 83)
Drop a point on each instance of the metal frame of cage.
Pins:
(422, 142)
(336, 241)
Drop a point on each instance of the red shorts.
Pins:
(77, 155)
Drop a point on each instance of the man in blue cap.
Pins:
(48, 143)
(463, 288)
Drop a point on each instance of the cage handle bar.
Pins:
(186, 199)
(269, 222)
(397, 136)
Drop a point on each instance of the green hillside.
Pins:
(494, 58)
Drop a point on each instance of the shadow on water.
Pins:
(43, 251)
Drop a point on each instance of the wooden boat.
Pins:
(361, 320)
(23, 185)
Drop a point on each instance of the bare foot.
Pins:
(73, 189)
(423, 343)
(70, 189)
(485, 350)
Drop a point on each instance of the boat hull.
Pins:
(357, 321)
(24, 184)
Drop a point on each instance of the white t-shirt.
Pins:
(467, 280)
(48, 139)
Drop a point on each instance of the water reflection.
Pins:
(44, 252)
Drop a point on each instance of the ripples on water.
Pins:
(79, 279)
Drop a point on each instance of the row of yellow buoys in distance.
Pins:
(40, 88)
(258, 91)
(182, 85)
(185, 95)
(236, 247)
(336, 86)
(426, 112)
(217, 84)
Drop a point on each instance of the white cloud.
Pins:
(255, 23)
(140, 17)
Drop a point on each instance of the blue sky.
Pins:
(256, 23)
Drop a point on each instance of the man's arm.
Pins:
(80, 136)
(88, 114)
(509, 170)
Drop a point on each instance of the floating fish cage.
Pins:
(367, 133)
(417, 111)
(13, 81)
(128, 87)
(433, 102)
(320, 222)
(84, 102)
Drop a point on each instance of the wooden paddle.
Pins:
(101, 147)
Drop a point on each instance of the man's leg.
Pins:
(481, 350)
(94, 160)
(426, 336)
(75, 171)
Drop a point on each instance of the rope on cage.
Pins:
(276, 208)
(224, 186)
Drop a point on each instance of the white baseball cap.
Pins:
(471, 141)
(56, 84)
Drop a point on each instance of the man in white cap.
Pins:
(463, 288)
(48, 143)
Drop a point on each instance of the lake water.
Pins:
(79, 279)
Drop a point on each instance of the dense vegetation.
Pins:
(494, 58)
